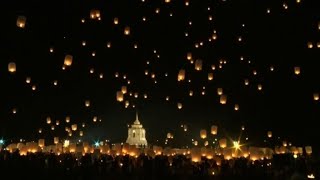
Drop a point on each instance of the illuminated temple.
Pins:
(137, 134)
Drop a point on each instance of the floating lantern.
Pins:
(210, 76)
(223, 99)
(87, 103)
(269, 134)
(124, 89)
(74, 127)
(195, 155)
(198, 65)
(116, 21)
(214, 130)
(28, 80)
(223, 143)
(190, 93)
(308, 150)
(48, 120)
(203, 133)
(316, 96)
(310, 45)
(220, 91)
(259, 87)
(21, 21)
(236, 107)
(181, 75)
(67, 119)
(95, 14)
(56, 140)
(246, 82)
(41, 143)
(81, 133)
(179, 105)
(127, 30)
(189, 56)
(68, 60)
(297, 70)
(12, 67)
(119, 96)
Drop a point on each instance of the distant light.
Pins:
(97, 144)
(1, 141)
(236, 144)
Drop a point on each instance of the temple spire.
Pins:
(137, 118)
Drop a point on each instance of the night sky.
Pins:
(248, 39)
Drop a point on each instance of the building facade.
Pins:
(137, 134)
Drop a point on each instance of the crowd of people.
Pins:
(98, 166)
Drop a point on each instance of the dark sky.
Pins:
(279, 39)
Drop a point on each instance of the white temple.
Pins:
(137, 134)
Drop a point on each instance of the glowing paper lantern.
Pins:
(124, 89)
(223, 99)
(87, 103)
(223, 143)
(74, 127)
(195, 155)
(259, 87)
(246, 82)
(220, 91)
(21, 21)
(56, 140)
(236, 107)
(203, 133)
(81, 133)
(67, 119)
(308, 150)
(297, 70)
(310, 45)
(189, 56)
(68, 60)
(95, 14)
(181, 75)
(269, 134)
(48, 120)
(41, 143)
(127, 30)
(179, 105)
(316, 96)
(28, 80)
(190, 93)
(214, 130)
(198, 65)
(210, 76)
(12, 67)
(116, 21)
(119, 96)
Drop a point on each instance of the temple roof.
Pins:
(137, 122)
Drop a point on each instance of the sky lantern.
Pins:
(310, 45)
(57, 122)
(223, 143)
(190, 93)
(246, 82)
(210, 76)
(74, 127)
(269, 134)
(195, 155)
(41, 143)
(297, 70)
(179, 105)
(95, 14)
(67, 119)
(68, 60)
(316, 96)
(119, 96)
(198, 65)
(214, 130)
(56, 140)
(203, 133)
(116, 21)
(21, 21)
(259, 87)
(12, 67)
(223, 99)
(181, 75)
(220, 91)
(28, 80)
(169, 136)
(127, 30)
(236, 107)
(308, 150)
(167, 1)
(124, 89)
(189, 56)
(48, 120)
(87, 103)
(80, 133)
